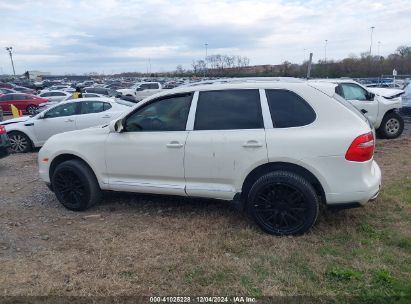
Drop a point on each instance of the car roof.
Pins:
(56, 91)
(260, 84)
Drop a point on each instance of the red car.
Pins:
(26, 103)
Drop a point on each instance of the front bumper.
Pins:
(4, 146)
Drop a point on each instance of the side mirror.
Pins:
(116, 126)
(370, 96)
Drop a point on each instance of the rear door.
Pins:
(94, 113)
(360, 98)
(226, 142)
(59, 119)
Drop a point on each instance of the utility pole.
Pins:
(309, 66)
(10, 49)
(325, 50)
(379, 43)
(372, 30)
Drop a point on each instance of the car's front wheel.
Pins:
(283, 203)
(392, 126)
(75, 185)
(32, 109)
(19, 142)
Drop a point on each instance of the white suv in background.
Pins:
(281, 149)
(380, 106)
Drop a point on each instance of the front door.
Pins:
(59, 119)
(148, 155)
(360, 98)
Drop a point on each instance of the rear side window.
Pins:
(229, 109)
(288, 109)
(89, 107)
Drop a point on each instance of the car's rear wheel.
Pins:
(392, 126)
(283, 203)
(75, 185)
(19, 142)
(32, 109)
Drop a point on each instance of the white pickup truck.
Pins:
(379, 105)
(142, 90)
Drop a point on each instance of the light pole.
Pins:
(325, 50)
(10, 49)
(206, 55)
(372, 30)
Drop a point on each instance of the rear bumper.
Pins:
(371, 184)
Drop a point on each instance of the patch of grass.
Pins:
(127, 274)
(400, 241)
(340, 273)
(383, 277)
(371, 232)
(398, 191)
(248, 283)
(193, 275)
(329, 250)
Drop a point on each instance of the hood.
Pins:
(386, 93)
(15, 120)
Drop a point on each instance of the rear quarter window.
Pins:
(288, 109)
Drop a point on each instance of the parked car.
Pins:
(24, 102)
(142, 90)
(4, 142)
(381, 111)
(28, 132)
(24, 90)
(101, 91)
(281, 149)
(55, 96)
(7, 91)
(406, 98)
(48, 105)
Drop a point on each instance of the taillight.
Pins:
(2, 130)
(361, 149)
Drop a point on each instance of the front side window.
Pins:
(165, 114)
(228, 110)
(48, 94)
(288, 109)
(352, 91)
(67, 109)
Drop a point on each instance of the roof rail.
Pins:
(243, 80)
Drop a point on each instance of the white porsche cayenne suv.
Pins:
(280, 148)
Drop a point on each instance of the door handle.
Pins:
(252, 144)
(106, 116)
(174, 144)
(363, 111)
(69, 120)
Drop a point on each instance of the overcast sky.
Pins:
(110, 36)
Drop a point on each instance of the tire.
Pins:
(32, 109)
(283, 203)
(75, 185)
(19, 142)
(392, 126)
